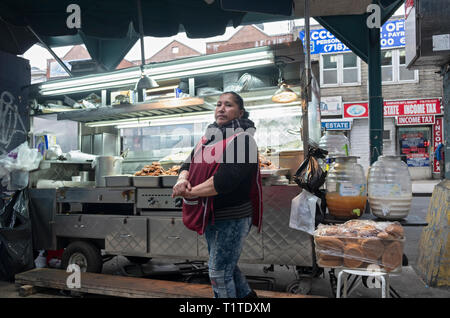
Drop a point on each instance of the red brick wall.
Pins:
(166, 53)
(248, 37)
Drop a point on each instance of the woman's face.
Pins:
(227, 110)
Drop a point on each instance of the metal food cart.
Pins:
(147, 223)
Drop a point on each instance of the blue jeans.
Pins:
(225, 239)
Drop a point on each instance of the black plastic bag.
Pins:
(16, 247)
(310, 176)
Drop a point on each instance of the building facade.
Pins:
(413, 110)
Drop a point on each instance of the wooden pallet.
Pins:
(129, 287)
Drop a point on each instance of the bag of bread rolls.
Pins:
(358, 244)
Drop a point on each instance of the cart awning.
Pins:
(109, 27)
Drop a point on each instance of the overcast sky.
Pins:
(38, 55)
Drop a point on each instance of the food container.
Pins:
(147, 181)
(118, 181)
(336, 143)
(106, 166)
(360, 244)
(168, 181)
(290, 159)
(389, 188)
(346, 195)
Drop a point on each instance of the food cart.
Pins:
(135, 216)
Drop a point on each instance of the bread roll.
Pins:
(330, 245)
(373, 248)
(392, 256)
(324, 260)
(395, 230)
(353, 255)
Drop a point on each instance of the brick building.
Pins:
(412, 98)
(76, 53)
(172, 51)
(247, 37)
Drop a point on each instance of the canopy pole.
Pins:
(60, 62)
(306, 82)
(376, 123)
(141, 33)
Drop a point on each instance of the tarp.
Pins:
(16, 247)
(109, 28)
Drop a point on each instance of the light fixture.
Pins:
(284, 94)
(144, 81)
(248, 58)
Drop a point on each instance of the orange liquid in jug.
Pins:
(342, 206)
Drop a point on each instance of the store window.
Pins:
(404, 73)
(415, 145)
(387, 69)
(340, 70)
(155, 143)
(393, 68)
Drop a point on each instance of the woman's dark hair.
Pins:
(238, 100)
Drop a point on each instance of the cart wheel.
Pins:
(83, 254)
(138, 260)
(300, 286)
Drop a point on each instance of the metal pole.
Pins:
(376, 123)
(141, 32)
(306, 83)
(51, 51)
(446, 102)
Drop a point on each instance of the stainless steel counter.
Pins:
(155, 232)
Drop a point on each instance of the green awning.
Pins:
(109, 28)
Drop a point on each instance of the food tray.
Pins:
(169, 181)
(147, 181)
(118, 181)
(274, 172)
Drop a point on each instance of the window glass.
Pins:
(350, 60)
(387, 73)
(330, 77)
(329, 61)
(351, 75)
(386, 58)
(405, 74)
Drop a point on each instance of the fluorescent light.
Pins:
(91, 80)
(134, 124)
(186, 68)
(212, 62)
(213, 69)
(90, 87)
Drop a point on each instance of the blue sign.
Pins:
(392, 34)
(336, 125)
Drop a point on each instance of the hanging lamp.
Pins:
(283, 94)
(144, 81)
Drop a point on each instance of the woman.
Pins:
(221, 188)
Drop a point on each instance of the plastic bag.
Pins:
(20, 160)
(16, 247)
(310, 175)
(360, 244)
(303, 212)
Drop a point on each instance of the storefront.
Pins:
(410, 129)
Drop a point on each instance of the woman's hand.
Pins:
(181, 188)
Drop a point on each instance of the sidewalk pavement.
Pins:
(424, 187)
